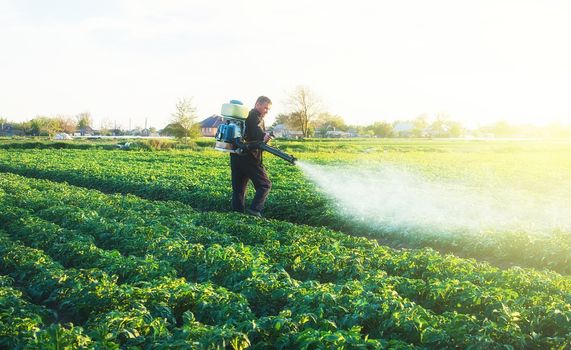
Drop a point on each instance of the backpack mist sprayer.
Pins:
(230, 134)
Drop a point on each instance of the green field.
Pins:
(369, 244)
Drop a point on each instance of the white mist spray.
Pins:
(396, 198)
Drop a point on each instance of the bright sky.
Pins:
(478, 61)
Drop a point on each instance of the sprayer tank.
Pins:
(234, 109)
(234, 114)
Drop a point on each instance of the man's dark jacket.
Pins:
(255, 131)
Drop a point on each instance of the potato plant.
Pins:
(95, 270)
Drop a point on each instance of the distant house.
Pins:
(209, 126)
(87, 131)
(282, 131)
(353, 133)
(9, 130)
(5, 130)
(168, 130)
(149, 132)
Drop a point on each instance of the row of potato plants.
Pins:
(144, 220)
(159, 314)
(128, 219)
(20, 320)
(126, 314)
(201, 179)
(114, 314)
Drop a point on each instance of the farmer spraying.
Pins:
(245, 138)
(249, 165)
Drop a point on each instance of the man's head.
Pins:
(263, 105)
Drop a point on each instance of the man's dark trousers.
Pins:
(245, 167)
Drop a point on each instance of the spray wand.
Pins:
(244, 147)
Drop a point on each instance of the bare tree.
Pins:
(106, 126)
(305, 107)
(65, 124)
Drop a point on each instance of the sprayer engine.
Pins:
(229, 136)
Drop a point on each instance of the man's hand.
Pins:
(267, 137)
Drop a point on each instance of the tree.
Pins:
(382, 129)
(3, 121)
(25, 127)
(64, 124)
(455, 128)
(502, 128)
(183, 123)
(366, 132)
(361, 130)
(443, 126)
(326, 122)
(106, 127)
(43, 126)
(420, 125)
(288, 120)
(304, 106)
(83, 121)
(440, 127)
